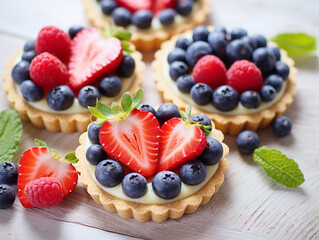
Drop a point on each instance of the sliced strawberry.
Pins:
(133, 141)
(39, 162)
(179, 143)
(92, 57)
(136, 5)
(162, 4)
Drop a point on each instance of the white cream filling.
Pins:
(150, 196)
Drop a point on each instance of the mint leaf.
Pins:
(126, 102)
(10, 134)
(137, 98)
(296, 44)
(71, 158)
(104, 109)
(279, 167)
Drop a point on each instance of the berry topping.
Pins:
(142, 18)
(247, 141)
(196, 51)
(202, 119)
(110, 86)
(201, 93)
(244, 75)
(193, 172)
(44, 192)
(275, 51)
(108, 6)
(29, 45)
(200, 33)
(218, 42)
(28, 56)
(21, 72)
(282, 126)
(182, 43)
(60, 98)
(109, 173)
(121, 16)
(92, 57)
(212, 153)
(159, 5)
(238, 50)
(166, 16)
(177, 54)
(220, 29)
(55, 41)
(185, 83)
(167, 111)
(31, 91)
(167, 184)
(127, 67)
(95, 154)
(48, 71)
(237, 33)
(134, 185)
(267, 93)
(210, 70)
(75, 30)
(265, 60)
(225, 98)
(8, 173)
(250, 99)
(7, 196)
(146, 107)
(136, 5)
(282, 69)
(93, 133)
(184, 7)
(88, 96)
(260, 40)
(274, 80)
(177, 69)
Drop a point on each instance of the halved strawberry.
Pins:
(92, 57)
(180, 142)
(136, 5)
(162, 4)
(133, 141)
(39, 162)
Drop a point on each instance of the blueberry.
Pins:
(134, 185)
(8, 173)
(146, 107)
(220, 29)
(95, 154)
(109, 173)
(282, 69)
(142, 18)
(282, 126)
(196, 51)
(75, 30)
(201, 93)
(21, 72)
(184, 7)
(193, 172)
(238, 50)
(93, 133)
(237, 33)
(167, 16)
(60, 98)
(7, 196)
(200, 33)
(265, 60)
(185, 83)
(218, 42)
(108, 6)
(250, 99)
(267, 93)
(252, 43)
(177, 54)
(247, 141)
(127, 67)
(212, 153)
(177, 69)
(275, 51)
(202, 119)
(225, 98)
(31, 91)
(121, 16)
(166, 184)
(275, 81)
(110, 86)
(88, 96)
(167, 111)
(182, 43)
(29, 45)
(28, 56)
(259, 39)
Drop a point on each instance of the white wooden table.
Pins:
(249, 205)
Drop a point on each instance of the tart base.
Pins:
(145, 40)
(54, 122)
(228, 124)
(155, 212)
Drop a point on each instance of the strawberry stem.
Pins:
(186, 118)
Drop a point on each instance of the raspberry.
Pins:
(44, 192)
(244, 75)
(55, 41)
(48, 71)
(210, 70)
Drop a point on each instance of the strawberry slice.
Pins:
(92, 57)
(179, 143)
(133, 141)
(39, 162)
(162, 4)
(136, 5)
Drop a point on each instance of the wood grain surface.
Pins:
(249, 205)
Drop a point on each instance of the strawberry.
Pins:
(92, 57)
(136, 5)
(162, 4)
(55, 41)
(38, 162)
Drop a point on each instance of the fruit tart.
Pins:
(238, 81)
(150, 21)
(150, 165)
(55, 77)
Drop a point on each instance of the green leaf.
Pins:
(10, 134)
(71, 158)
(126, 101)
(137, 98)
(40, 143)
(126, 47)
(182, 114)
(104, 109)
(188, 112)
(296, 44)
(279, 167)
(123, 35)
(96, 112)
(115, 108)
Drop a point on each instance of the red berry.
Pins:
(163, 4)
(244, 75)
(55, 41)
(136, 5)
(44, 192)
(210, 70)
(48, 71)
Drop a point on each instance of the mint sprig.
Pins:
(10, 134)
(279, 167)
(123, 36)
